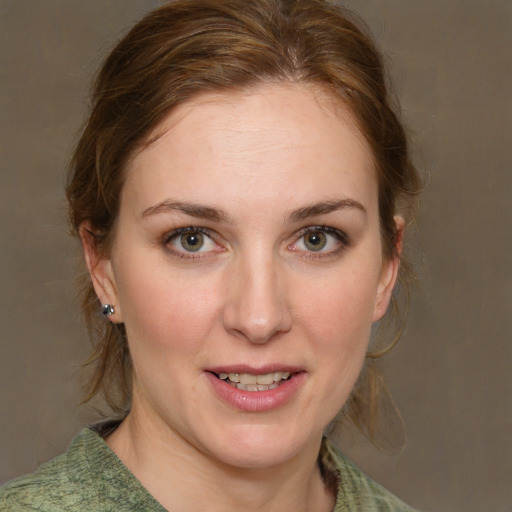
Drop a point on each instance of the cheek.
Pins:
(336, 317)
(164, 310)
(339, 309)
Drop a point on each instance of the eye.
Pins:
(315, 240)
(191, 240)
(321, 240)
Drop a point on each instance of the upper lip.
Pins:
(254, 370)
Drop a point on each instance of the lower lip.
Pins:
(257, 401)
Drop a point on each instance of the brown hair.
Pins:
(188, 47)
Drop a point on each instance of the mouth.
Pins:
(251, 389)
(255, 382)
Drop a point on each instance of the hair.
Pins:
(189, 47)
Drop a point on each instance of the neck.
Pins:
(173, 470)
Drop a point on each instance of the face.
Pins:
(247, 267)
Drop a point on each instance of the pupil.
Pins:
(192, 241)
(315, 241)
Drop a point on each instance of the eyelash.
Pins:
(188, 255)
(339, 235)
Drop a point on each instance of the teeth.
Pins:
(250, 382)
(266, 379)
(247, 378)
(256, 387)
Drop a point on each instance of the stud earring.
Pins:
(108, 309)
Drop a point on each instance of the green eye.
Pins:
(192, 242)
(315, 240)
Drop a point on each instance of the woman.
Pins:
(240, 191)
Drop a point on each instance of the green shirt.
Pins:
(89, 476)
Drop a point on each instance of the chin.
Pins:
(260, 446)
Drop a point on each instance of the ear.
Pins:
(389, 274)
(100, 270)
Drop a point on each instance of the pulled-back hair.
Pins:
(189, 47)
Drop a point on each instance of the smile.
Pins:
(250, 382)
(256, 390)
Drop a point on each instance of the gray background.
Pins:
(450, 374)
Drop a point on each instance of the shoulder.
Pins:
(89, 476)
(57, 485)
(37, 490)
(356, 491)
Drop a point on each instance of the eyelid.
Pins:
(338, 234)
(190, 255)
(189, 229)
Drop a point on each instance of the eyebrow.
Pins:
(192, 209)
(217, 215)
(323, 208)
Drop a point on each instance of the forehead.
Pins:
(258, 145)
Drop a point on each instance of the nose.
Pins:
(256, 306)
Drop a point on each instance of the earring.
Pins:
(108, 309)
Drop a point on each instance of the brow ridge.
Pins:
(192, 209)
(323, 208)
(217, 215)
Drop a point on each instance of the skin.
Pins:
(254, 294)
